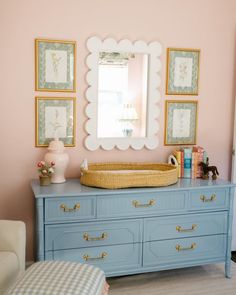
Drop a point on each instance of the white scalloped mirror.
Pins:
(122, 94)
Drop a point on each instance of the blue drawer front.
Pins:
(136, 204)
(209, 199)
(182, 250)
(173, 227)
(70, 236)
(69, 208)
(108, 258)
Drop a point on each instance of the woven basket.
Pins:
(120, 175)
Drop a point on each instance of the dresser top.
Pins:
(72, 187)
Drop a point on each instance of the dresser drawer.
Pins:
(173, 227)
(69, 208)
(140, 204)
(183, 250)
(108, 258)
(209, 199)
(68, 236)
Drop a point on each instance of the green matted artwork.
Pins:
(55, 118)
(55, 65)
(180, 122)
(182, 71)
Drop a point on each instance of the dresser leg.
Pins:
(228, 269)
(229, 240)
(40, 229)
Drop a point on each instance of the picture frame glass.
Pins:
(181, 122)
(182, 71)
(55, 119)
(55, 65)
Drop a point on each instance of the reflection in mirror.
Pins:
(122, 94)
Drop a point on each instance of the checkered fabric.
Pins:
(60, 278)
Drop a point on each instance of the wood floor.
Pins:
(201, 280)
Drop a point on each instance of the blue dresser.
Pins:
(135, 230)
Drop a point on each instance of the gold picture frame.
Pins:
(180, 122)
(182, 72)
(55, 65)
(55, 117)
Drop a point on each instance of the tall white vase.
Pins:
(60, 158)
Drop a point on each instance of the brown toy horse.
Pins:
(206, 169)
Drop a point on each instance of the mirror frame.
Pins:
(153, 49)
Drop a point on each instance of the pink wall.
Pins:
(208, 25)
(137, 93)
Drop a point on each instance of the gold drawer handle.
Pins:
(181, 230)
(102, 256)
(88, 238)
(149, 204)
(205, 199)
(179, 248)
(67, 209)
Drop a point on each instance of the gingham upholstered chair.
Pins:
(46, 277)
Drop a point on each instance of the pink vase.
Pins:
(57, 155)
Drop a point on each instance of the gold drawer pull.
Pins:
(149, 204)
(102, 256)
(205, 199)
(181, 230)
(88, 238)
(179, 248)
(66, 209)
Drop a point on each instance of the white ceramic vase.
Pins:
(57, 155)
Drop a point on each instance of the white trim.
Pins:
(96, 45)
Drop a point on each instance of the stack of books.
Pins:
(188, 159)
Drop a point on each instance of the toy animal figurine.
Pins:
(206, 169)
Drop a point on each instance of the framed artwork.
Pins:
(180, 122)
(55, 65)
(182, 71)
(55, 118)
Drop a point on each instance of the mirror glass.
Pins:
(122, 94)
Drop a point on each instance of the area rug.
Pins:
(209, 279)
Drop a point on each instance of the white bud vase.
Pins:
(57, 155)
